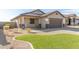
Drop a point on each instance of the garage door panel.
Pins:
(53, 26)
(54, 23)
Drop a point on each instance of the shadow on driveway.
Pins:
(3, 40)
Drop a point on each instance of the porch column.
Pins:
(17, 23)
(63, 22)
(23, 20)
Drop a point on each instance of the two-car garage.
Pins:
(54, 23)
(54, 20)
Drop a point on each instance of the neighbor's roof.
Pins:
(70, 15)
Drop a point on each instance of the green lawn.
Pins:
(52, 41)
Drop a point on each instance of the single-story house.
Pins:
(39, 19)
(71, 19)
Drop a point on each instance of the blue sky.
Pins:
(7, 14)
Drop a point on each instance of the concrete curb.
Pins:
(14, 38)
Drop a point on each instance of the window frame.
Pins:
(32, 21)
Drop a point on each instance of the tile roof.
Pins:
(37, 12)
(40, 13)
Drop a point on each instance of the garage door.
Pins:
(54, 23)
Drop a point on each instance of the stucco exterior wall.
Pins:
(55, 15)
(43, 22)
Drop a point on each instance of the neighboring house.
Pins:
(70, 19)
(77, 20)
(39, 19)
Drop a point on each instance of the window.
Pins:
(32, 21)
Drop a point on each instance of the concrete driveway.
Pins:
(67, 30)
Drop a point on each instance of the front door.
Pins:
(69, 21)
